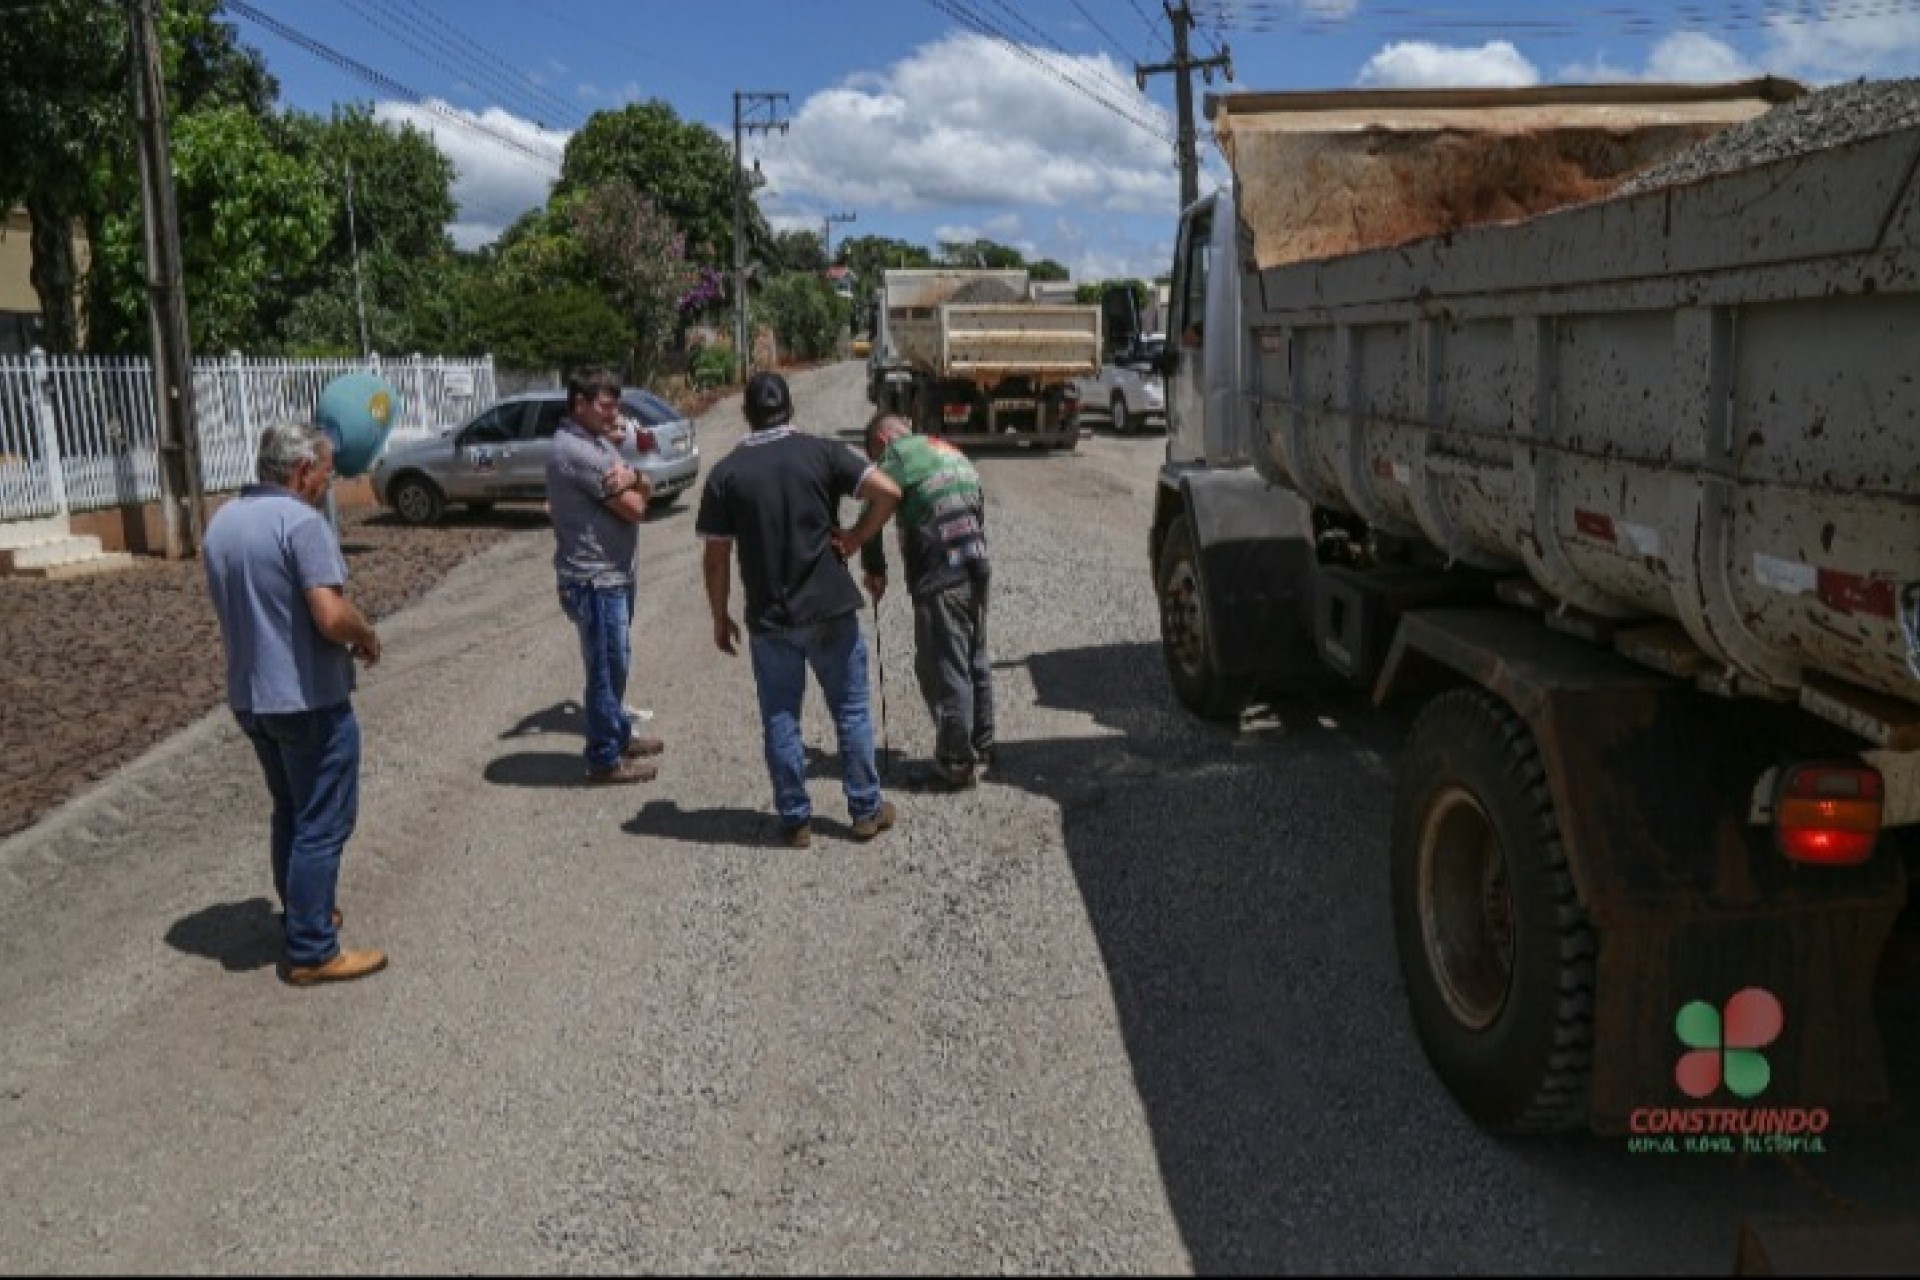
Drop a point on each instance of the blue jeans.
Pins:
(604, 617)
(311, 760)
(838, 655)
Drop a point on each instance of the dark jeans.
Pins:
(837, 653)
(604, 618)
(955, 673)
(311, 760)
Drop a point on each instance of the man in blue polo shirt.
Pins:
(277, 581)
(776, 499)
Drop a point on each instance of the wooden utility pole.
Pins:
(752, 113)
(182, 504)
(1183, 66)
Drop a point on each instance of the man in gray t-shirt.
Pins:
(597, 502)
(277, 581)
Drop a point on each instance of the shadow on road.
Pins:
(560, 718)
(1236, 885)
(666, 819)
(538, 769)
(242, 936)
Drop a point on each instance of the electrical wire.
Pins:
(509, 88)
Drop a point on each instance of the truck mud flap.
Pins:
(1652, 784)
(1256, 570)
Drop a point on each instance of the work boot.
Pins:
(345, 966)
(938, 777)
(882, 820)
(624, 771)
(638, 746)
(800, 837)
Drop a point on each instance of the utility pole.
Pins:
(353, 239)
(752, 113)
(182, 504)
(1183, 66)
(826, 232)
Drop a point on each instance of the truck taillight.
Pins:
(956, 412)
(1829, 814)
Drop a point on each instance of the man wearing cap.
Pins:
(775, 502)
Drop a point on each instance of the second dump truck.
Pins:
(968, 356)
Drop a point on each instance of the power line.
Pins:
(953, 9)
(1153, 27)
(388, 84)
(562, 106)
(487, 80)
(1051, 45)
(1106, 34)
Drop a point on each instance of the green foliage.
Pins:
(248, 213)
(980, 253)
(638, 256)
(713, 366)
(1047, 269)
(402, 182)
(796, 251)
(543, 250)
(806, 315)
(685, 169)
(869, 256)
(1092, 293)
(557, 329)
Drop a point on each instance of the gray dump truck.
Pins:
(967, 355)
(1613, 483)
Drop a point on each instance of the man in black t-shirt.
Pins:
(776, 499)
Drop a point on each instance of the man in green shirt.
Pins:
(943, 541)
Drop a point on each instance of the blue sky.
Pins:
(1018, 120)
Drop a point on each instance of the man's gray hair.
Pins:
(284, 446)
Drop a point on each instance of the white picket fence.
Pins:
(78, 433)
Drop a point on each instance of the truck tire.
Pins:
(1200, 685)
(1495, 949)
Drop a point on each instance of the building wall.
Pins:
(19, 303)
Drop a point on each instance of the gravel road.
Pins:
(1130, 1006)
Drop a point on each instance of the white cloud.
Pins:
(1685, 57)
(1417, 64)
(1848, 39)
(494, 182)
(965, 122)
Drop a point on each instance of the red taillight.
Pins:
(956, 412)
(1829, 814)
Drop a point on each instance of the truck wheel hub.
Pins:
(1466, 908)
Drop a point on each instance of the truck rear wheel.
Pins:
(1495, 949)
(1199, 684)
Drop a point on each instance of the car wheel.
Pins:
(417, 500)
(1496, 952)
(1122, 420)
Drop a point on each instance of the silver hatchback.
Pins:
(501, 456)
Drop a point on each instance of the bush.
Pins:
(712, 367)
(806, 315)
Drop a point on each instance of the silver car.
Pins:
(501, 456)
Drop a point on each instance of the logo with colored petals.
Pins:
(1723, 1044)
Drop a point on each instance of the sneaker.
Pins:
(344, 967)
(882, 820)
(800, 837)
(625, 771)
(638, 746)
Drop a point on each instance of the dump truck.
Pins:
(966, 355)
(1613, 491)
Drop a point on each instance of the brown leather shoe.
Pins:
(625, 771)
(868, 828)
(800, 837)
(638, 746)
(344, 967)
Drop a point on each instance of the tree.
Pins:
(641, 261)
(64, 120)
(806, 315)
(1047, 269)
(684, 169)
(558, 329)
(980, 253)
(796, 251)
(870, 256)
(248, 214)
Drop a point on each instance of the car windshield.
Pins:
(650, 409)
